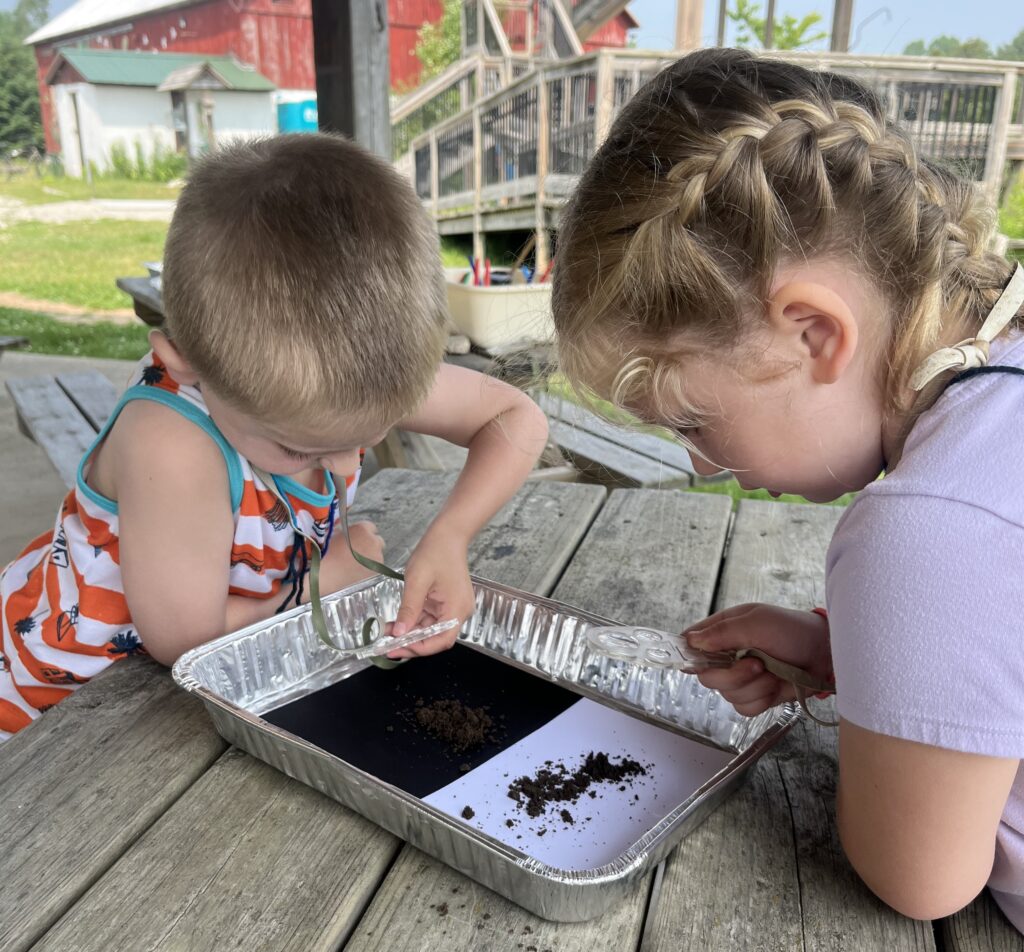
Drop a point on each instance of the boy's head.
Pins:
(302, 282)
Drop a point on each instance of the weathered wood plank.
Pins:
(198, 889)
(83, 782)
(767, 871)
(423, 906)
(147, 300)
(646, 444)
(676, 540)
(49, 417)
(93, 394)
(651, 557)
(206, 875)
(611, 464)
(981, 927)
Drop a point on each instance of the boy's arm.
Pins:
(176, 530)
(505, 432)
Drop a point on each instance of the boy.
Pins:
(305, 316)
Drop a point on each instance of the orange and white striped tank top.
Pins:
(64, 613)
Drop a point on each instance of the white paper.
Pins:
(605, 825)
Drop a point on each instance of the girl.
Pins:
(759, 260)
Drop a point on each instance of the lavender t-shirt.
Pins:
(925, 589)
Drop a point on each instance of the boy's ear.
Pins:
(816, 325)
(172, 358)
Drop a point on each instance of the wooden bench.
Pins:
(10, 343)
(63, 414)
(614, 455)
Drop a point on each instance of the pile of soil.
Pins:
(554, 783)
(460, 727)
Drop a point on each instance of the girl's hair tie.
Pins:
(973, 352)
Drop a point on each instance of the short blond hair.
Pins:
(727, 165)
(302, 278)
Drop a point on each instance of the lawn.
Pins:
(50, 336)
(76, 263)
(36, 190)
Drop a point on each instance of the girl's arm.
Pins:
(917, 822)
(505, 432)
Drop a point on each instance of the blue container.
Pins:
(297, 116)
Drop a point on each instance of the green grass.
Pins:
(1011, 215)
(37, 190)
(455, 252)
(50, 336)
(734, 489)
(77, 263)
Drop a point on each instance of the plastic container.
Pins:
(297, 116)
(498, 316)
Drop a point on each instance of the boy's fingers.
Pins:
(414, 595)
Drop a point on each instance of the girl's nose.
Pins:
(702, 467)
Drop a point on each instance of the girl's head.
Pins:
(757, 258)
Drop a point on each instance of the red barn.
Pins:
(613, 35)
(273, 36)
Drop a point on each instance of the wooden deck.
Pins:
(129, 824)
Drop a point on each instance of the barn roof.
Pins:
(92, 14)
(165, 70)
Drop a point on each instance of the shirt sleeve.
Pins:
(926, 612)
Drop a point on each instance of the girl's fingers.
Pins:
(757, 706)
(767, 685)
(733, 677)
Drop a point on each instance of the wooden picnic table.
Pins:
(129, 824)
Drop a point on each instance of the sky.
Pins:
(879, 26)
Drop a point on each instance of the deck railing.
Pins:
(527, 143)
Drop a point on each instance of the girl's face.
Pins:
(805, 414)
(786, 435)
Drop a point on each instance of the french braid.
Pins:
(726, 165)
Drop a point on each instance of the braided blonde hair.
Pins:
(723, 167)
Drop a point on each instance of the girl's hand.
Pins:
(437, 587)
(798, 638)
(339, 569)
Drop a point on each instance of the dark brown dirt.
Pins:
(468, 813)
(554, 783)
(452, 722)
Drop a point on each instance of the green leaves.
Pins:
(21, 124)
(440, 44)
(789, 33)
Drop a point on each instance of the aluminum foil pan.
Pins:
(244, 675)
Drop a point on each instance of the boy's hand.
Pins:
(798, 638)
(339, 569)
(437, 587)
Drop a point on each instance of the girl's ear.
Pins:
(816, 326)
(172, 358)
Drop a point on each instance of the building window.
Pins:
(179, 119)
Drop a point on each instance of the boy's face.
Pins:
(288, 450)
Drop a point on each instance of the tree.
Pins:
(789, 33)
(440, 44)
(974, 48)
(21, 125)
(1014, 50)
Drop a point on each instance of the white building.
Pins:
(153, 101)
